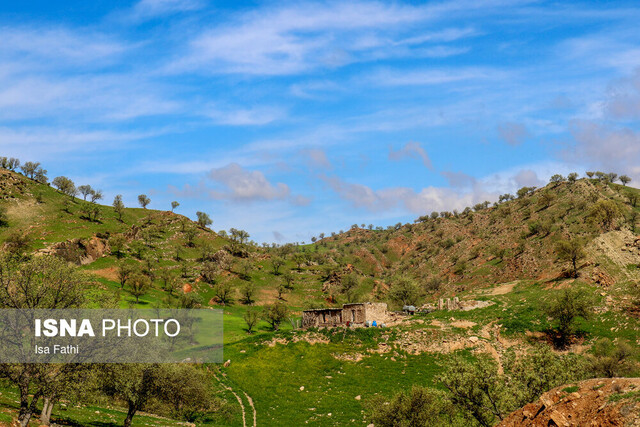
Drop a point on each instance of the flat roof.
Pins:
(321, 309)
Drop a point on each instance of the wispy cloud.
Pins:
(404, 198)
(610, 148)
(427, 77)
(59, 46)
(411, 150)
(295, 39)
(254, 116)
(149, 9)
(513, 133)
(317, 158)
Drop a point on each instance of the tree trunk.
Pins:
(43, 415)
(47, 408)
(28, 410)
(24, 416)
(130, 413)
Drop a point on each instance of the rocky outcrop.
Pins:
(596, 402)
(79, 251)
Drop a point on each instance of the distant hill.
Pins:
(513, 240)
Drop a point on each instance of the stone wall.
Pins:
(322, 317)
(376, 311)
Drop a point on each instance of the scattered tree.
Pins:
(274, 314)
(174, 205)
(251, 318)
(246, 266)
(419, 407)
(605, 213)
(224, 292)
(138, 285)
(247, 292)
(124, 272)
(611, 359)
(190, 235)
(557, 178)
(118, 206)
(404, 291)
(117, 243)
(29, 169)
(572, 251)
(624, 179)
(203, 219)
(276, 263)
(572, 177)
(96, 195)
(169, 282)
(143, 200)
(568, 305)
(65, 186)
(349, 287)
(85, 190)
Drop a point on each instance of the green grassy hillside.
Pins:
(506, 254)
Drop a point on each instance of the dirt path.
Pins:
(255, 415)
(502, 289)
(240, 402)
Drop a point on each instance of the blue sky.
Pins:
(288, 119)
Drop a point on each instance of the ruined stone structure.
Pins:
(356, 314)
(449, 304)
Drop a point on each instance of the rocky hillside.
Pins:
(595, 402)
(512, 240)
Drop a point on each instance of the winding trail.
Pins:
(255, 415)
(240, 401)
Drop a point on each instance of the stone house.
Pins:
(355, 314)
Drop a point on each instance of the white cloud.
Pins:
(426, 200)
(243, 184)
(608, 148)
(527, 178)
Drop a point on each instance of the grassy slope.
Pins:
(273, 374)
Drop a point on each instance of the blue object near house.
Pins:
(374, 324)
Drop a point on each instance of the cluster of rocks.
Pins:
(79, 251)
